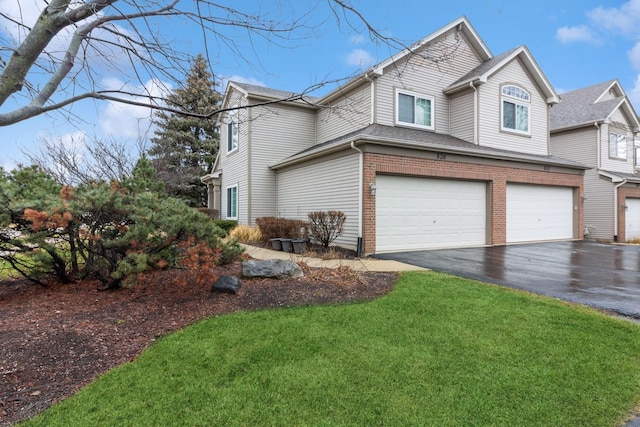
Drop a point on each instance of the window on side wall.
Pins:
(232, 133)
(232, 202)
(414, 110)
(617, 146)
(516, 104)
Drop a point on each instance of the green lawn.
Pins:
(437, 351)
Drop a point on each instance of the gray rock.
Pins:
(227, 284)
(278, 268)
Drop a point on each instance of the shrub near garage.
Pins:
(286, 228)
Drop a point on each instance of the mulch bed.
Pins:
(56, 339)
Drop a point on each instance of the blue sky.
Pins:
(576, 43)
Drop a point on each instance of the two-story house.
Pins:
(597, 126)
(441, 145)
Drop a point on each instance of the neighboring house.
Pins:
(442, 145)
(597, 126)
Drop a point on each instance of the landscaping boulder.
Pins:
(278, 268)
(227, 284)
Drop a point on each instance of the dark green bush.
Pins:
(112, 231)
(226, 224)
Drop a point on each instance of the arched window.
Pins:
(515, 109)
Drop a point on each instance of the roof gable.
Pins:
(461, 24)
(585, 106)
(484, 71)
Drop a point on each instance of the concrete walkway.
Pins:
(357, 264)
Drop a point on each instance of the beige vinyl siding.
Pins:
(426, 77)
(328, 185)
(490, 113)
(233, 165)
(580, 145)
(350, 112)
(598, 207)
(615, 164)
(277, 132)
(462, 116)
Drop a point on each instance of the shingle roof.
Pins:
(631, 177)
(579, 107)
(269, 92)
(485, 66)
(422, 140)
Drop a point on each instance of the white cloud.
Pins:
(623, 19)
(8, 166)
(634, 56)
(634, 94)
(360, 58)
(580, 33)
(23, 11)
(125, 120)
(240, 79)
(357, 39)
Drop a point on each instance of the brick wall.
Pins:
(623, 194)
(496, 176)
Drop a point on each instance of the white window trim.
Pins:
(516, 101)
(233, 120)
(616, 156)
(228, 207)
(415, 95)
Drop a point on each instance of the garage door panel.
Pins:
(632, 219)
(421, 213)
(538, 213)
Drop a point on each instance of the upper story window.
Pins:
(617, 146)
(232, 133)
(415, 110)
(516, 104)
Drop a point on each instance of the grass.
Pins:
(437, 351)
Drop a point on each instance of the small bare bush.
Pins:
(325, 227)
(246, 234)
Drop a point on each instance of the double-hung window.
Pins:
(516, 104)
(414, 110)
(232, 133)
(617, 146)
(232, 202)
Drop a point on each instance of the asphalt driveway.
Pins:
(595, 274)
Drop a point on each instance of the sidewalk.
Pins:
(358, 264)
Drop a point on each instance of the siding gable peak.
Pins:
(484, 71)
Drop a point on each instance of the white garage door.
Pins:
(422, 213)
(632, 219)
(539, 212)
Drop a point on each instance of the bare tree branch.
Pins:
(42, 74)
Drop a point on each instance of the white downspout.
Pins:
(360, 201)
(598, 145)
(615, 209)
(475, 113)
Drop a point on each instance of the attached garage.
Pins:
(426, 213)
(632, 219)
(539, 212)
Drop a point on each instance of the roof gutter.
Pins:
(398, 143)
